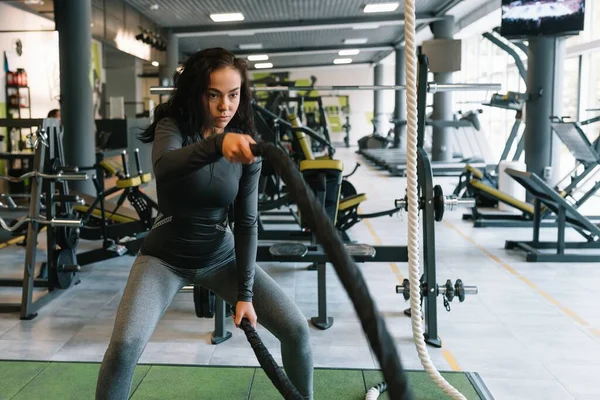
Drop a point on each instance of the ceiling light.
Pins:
(258, 57)
(240, 33)
(356, 41)
(379, 8)
(364, 27)
(250, 46)
(351, 52)
(342, 61)
(155, 63)
(263, 65)
(227, 17)
(154, 7)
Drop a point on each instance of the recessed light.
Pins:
(263, 65)
(351, 52)
(155, 63)
(227, 17)
(342, 61)
(379, 8)
(250, 46)
(154, 7)
(258, 57)
(356, 41)
(240, 33)
(364, 27)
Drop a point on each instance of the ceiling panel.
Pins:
(284, 25)
(287, 40)
(313, 59)
(180, 13)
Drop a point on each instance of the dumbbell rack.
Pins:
(59, 271)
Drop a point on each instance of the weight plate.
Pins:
(67, 237)
(347, 189)
(198, 301)
(63, 279)
(204, 302)
(438, 203)
(209, 306)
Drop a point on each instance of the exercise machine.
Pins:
(469, 147)
(567, 215)
(120, 229)
(587, 156)
(349, 199)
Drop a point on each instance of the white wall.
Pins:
(40, 58)
(41, 62)
(13, 19)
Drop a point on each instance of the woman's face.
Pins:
(224, 96)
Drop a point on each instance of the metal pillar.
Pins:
(73, 22)
(378, 96)
(544, 83)
(442, 102)
(400, 99)
(165, 72)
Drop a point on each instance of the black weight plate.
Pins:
(204, 302)
(198, 301)
(67, 237)
(64, 257)
(438, 203)
(209, 305)
(347, 189)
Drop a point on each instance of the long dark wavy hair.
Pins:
(187, 105)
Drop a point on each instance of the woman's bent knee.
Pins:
(125, 352)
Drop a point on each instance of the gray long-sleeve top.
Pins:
(195, 185)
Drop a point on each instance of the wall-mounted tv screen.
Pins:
(522, 18)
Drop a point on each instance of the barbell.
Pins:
(55, 222)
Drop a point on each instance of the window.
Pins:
(570, 95)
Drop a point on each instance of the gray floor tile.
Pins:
(41, 350)
(525, 389)
(580, 379)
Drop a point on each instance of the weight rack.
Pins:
(56, 272)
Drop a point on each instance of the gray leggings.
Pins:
(150, 288)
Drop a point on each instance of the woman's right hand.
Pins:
(236, 148)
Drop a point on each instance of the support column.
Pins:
(442, 102)
(166, 72)
(73, 22)
(544, 83)
(400, 99)
(378, 114)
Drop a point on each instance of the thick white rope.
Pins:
(413, 203)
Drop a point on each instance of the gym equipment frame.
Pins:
(59, 272)
(567, 215)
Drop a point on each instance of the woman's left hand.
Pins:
(244, 309)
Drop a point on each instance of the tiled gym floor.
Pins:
(532, 332)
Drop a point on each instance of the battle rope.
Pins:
(316, 219)
(413, 201)
(268, 364)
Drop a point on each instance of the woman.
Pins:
(201, 167)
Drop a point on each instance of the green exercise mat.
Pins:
(77, 380)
